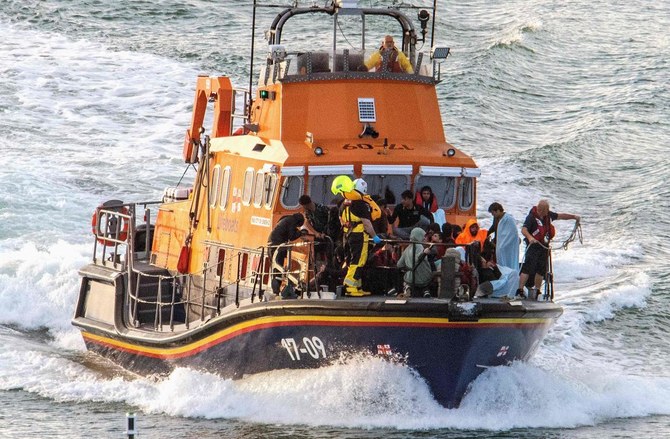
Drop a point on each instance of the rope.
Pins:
(185, 171)
(576, 232)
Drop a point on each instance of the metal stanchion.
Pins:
(131, 432)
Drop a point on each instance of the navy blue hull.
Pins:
(449, 354)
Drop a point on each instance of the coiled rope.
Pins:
(576, 233)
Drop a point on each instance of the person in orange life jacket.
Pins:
(286, 230)
(427, 199)
(356, 219)
(397, 61)
(409, 215)
(538, 231)
(472, 232)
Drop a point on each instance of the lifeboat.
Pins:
(187, 280)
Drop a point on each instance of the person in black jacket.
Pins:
(409, 216)
(286, 230)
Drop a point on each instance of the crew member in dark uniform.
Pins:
(286, 230)
(538, 231)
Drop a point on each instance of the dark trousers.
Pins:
(281, 252)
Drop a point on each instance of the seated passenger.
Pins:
(433, 228)
(486, 266)
(419, 275)
(385, 256)
(471, 233)
(382, 276)
(397, 61)
(495, 280)
(455, 231)
(409, 216)
(436, 249)
(466, 279)
(426, 198)
(331, 274)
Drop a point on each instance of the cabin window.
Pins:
(225, 188)
(291, 189)
(247, 189)
(388, 187)
(466, 195)
(214, 186)
(269, 189)
(319, 188)
(444, 189)
(258, 189)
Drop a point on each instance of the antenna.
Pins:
(251, 63)
(432, 30)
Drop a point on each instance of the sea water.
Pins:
(561, 100)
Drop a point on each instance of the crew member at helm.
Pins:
(397, 61)
(356, 222)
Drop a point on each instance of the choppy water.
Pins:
(566, 100)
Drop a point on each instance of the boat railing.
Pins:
(164, 301)
(111, 227)
(117, 235)
(345, 64)
(239, 113)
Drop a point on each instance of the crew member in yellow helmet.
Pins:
(341, 185)
(357, 228)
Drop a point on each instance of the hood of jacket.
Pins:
(417, 234)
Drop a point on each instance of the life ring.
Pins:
(107, 228)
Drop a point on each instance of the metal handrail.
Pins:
(176, 281)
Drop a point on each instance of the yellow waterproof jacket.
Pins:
(351, 223)
(398, 63)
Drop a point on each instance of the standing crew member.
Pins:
(286, 230)
(538, 231)
(356, 222)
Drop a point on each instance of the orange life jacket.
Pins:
(375, 211)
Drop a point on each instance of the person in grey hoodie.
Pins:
(419, 275)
